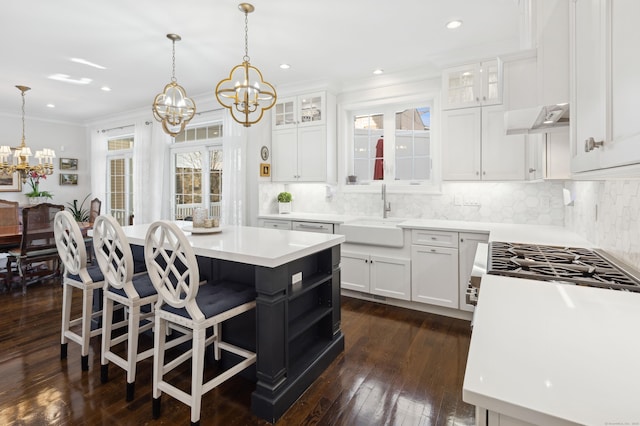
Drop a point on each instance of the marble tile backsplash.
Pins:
(607, 213)
(538, 203)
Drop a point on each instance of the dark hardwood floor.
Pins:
(400, 367)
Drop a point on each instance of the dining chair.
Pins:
(76, 275)
(133, 291)
(9, 216)
(94, 212)
(94, 209)
(37, 257)
(185, 302)
(9, 213)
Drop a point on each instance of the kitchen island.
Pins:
(297, 318)
(549, 353)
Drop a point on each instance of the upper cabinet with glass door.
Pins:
(299, 111)
(471, 85)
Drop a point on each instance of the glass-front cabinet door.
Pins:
(284, 113)
(311, 109)
(472, 85)
(304, 110)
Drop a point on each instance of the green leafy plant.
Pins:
(79, 213)
(284, 197)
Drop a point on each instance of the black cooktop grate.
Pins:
(579, 266)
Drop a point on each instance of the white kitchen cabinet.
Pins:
(299, 111)
(434, 275)
(605, 88)
(491, 418)
(475, 146)
(374, 274)
(303, 139)
(274, 224)
(472, 85)
(319, 227)
(466, 253)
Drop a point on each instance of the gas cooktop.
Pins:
(578, 266)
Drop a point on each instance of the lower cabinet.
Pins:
(274, 223)
(320, 227)
(434, 275)
(491, 418)
(467, 252)
(379, 275)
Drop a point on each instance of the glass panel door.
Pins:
(215, 182)
(188, 183)
(120, 191)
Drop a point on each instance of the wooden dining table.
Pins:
(11, 235)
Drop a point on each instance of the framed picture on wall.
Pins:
(68, 179)
(10, 183)
(68, 164)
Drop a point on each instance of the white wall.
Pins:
(68, 140)
(607, 213)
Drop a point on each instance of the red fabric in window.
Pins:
(378, 169)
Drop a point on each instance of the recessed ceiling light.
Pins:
(67, 79)
(87, 63)
(105, 88)
(51, 106)
(452, 25)
(378, 71)
(285, 66)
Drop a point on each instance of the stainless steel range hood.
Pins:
(543, 119)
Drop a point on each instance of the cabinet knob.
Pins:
(433, 250)
(484, 173)
(477, 98)
(477, 173)
(590, 144)
(531, 170)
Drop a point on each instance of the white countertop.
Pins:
(551, 353)
(244, 244)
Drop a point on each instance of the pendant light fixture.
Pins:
(172, 107)
(21, 155)
(245, 93)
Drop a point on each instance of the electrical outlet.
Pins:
(471, 201)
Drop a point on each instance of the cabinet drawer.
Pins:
(434, 238)
(323, 228)
(275, 224)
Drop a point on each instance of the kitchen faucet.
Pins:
(386, 206)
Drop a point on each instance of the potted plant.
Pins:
(284, 202)
(79, 213)
(35, 195)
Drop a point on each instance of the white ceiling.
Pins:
(338, 42)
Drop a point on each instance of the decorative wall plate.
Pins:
(264, 153)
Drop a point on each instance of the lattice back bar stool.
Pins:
(185, 302)
(122, 286)
(73, 254)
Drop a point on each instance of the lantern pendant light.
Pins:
(172, 107)
(245, 93)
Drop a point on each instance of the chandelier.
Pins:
(172, 107)
(20, 163)
(245, 93)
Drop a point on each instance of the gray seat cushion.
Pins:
(213, 299)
